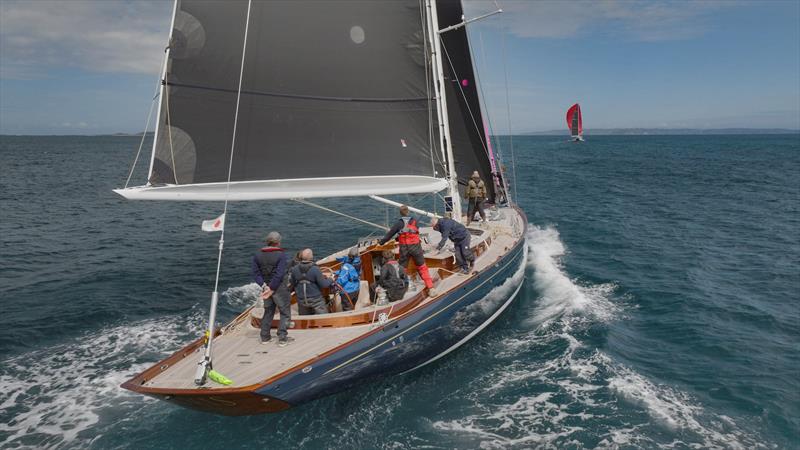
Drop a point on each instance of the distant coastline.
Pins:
(588, 132)
(664, 131)
(149, 134)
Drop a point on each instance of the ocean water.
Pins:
(660, 307)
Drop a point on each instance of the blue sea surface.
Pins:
(660, 307)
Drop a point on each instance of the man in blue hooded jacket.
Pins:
(348, 279)
(450, 229)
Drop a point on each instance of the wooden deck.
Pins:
(239, 355)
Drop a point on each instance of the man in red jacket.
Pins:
(407, 232)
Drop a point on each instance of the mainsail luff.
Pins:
(347, 97)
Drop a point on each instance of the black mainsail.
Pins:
(346, 94)
(342, 105)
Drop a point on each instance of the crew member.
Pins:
(450, 229)
(269, 268)
(476, 194)
(408, 237)
(393, 278)
(307, 282)
(348, 279)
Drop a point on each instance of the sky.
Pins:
(92, 66)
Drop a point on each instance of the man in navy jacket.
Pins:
(269, 271)
(450, 229)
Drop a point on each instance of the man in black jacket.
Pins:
(269, 268)
(393, 278)
(307, 281)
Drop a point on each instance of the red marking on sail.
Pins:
(574, 115)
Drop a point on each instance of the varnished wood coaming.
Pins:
(358, 317)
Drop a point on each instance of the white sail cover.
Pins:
(335, 101)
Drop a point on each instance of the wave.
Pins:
(240, 297)
(49, 397)
(552, 388)
(560, 297)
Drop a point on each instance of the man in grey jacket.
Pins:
(307, 281)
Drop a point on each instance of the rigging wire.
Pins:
(499, 160)
(205, 364)
(508, 114)
(461, 89)
(318, 206)
(141, 143)
(233, 142)
(147, 124)
(169, 130)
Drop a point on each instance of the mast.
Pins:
(441, 106)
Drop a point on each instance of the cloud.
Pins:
(99, 36)
(637, 20)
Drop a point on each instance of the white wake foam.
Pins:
(574, 394)
(48, 397)
(241, 297)
(559, 295)
(678, 412)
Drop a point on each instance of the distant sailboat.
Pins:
(575, 122)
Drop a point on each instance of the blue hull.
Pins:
(412, 341)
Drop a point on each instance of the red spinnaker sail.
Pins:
(574, 120)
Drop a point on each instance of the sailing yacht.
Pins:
(297, 100)
(575, 122)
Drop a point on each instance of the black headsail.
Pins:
(330, 89)
(467, 133)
